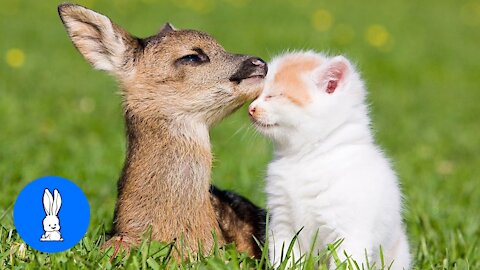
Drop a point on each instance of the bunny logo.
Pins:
(52, 214)
(51, 223)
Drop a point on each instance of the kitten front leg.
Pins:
(279, 243)
(358, 251)
(399, 254)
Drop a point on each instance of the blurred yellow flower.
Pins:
(201, 6)
(238, 3)
(15, 57)
(322, 20)
(300, 3)
(378, 36)
(445, 167)
(86, 105)
(343, 34)
(87, 3)
(470, 13)
(425, 151)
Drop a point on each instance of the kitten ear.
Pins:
(332, 73)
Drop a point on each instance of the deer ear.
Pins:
(332, 73)
(104, 44)
(166, 28)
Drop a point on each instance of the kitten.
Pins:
(328, 178)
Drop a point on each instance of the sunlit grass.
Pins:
(419, 59)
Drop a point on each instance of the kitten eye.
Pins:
(273, 96)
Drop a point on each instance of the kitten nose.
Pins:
(251, 110)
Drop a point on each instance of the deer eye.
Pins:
(191, 58)
(194, 59)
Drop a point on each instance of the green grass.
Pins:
(421, 65)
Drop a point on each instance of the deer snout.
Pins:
(252, 67)
(260, 65)
(258, 62)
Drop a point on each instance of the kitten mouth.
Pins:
(261, 124)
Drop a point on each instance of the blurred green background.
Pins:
(420, 61)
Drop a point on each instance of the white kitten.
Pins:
(328, 176)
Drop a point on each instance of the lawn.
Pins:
(420, 60)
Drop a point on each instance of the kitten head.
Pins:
(306, 97)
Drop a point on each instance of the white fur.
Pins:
(327, 174)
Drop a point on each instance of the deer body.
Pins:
(175, 86)
(180, 188)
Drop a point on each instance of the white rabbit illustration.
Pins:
(51, 223)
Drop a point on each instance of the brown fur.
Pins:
(241, 221)
(169, 104)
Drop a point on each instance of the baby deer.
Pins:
(175, 86)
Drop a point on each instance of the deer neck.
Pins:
(166, 176)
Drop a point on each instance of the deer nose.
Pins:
(251, 110)
(258, 62)
(259, 65)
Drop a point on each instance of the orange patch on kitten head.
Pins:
(288, 81)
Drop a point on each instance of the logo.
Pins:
(51, 223)
(51, 214)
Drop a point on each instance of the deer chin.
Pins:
(254, 79)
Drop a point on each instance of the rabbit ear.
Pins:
(57, 202)
(47, 202)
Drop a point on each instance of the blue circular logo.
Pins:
(51, 214)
